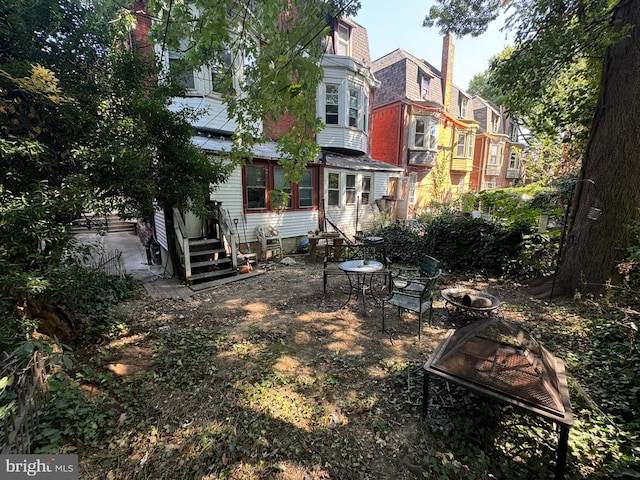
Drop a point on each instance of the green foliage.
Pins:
(462, 17)
(69, 422)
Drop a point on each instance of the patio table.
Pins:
(363, 270)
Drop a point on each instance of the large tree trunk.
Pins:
(607, 195)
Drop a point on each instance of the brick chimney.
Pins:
(447, 70)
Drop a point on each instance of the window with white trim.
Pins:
(513, 160)
(332, 104)
(463, 105)
(184, 77)
(333, 189)
(354, 106)
(493, 155)
(342, 37)
(345, 105)
(461, 144)
(221, 71)
(350, 189)
(305, 190)
(365, 188)
(424, 86)
(495, 123)
(425, 133)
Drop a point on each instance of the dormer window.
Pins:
(424, 86)
(343, 34)
(463, 104)
(495, 123)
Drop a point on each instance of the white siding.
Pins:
(215, 118)
(289, 224)
(161, 229)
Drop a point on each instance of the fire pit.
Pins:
(470, 301)
(499, 360)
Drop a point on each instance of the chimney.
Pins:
(447, 70)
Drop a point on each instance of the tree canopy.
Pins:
(568, 73)
(279, 42)
(83, 124)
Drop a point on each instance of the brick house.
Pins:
(424, 124)
(498, 151)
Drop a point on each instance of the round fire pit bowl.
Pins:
(470, 301)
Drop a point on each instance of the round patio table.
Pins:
(361, 268)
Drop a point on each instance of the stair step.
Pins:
(222, 262)
(222, 281)
(199, 253)
(213, 274)
(204, 241)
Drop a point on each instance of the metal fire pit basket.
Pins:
(455, 296)
(499, 360)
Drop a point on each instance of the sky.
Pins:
(393, 24)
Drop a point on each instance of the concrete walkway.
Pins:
(155, 279)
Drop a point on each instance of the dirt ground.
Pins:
(269, 377)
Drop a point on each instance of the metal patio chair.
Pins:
(412, 294)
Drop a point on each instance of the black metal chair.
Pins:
(413, 294)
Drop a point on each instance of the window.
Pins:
(425, 133)
(493, 155)
(413, 183)
(260, 179)
(280, 183)
(513, 133)
(513, 160)
(345, 105)
(350, 190)
(176, 67)
(343, 35)
(470, 142)
(332, 105)
(495, 123)
(424, 86)
(305, 190)
(221, 72)
(464, 106)
(354, 106)
(365, 188)
(333, 189)
(461, 144)
(256, 185)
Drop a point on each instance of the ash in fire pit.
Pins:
(500, 360)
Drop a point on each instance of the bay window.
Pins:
(425, 133)
(345, 104)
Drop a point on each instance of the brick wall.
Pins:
(387, 128)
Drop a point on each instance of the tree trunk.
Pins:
(607, 195)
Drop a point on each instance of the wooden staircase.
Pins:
(204, 261)
(89, 222)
